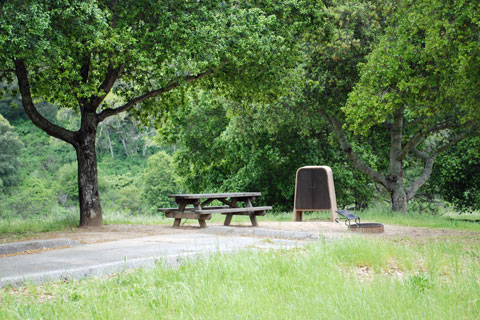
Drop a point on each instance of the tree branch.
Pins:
(85, 69)
(84, 72)
(27, 101)
(396, 133)
(422, 179)
(107, 84)
(110, 112)
(347, 148)
(429, 160)
(420, 154)
(411, 144)
(416, 138)
(453, 142)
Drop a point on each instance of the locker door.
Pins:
(304, 193)
(320, 194)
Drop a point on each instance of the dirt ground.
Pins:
(119, 232)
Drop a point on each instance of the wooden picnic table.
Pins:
(197, 206)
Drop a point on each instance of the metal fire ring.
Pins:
(371, 227)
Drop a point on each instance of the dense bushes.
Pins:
(218, 149)
(456, 175)
(10, 147)
(159, 181)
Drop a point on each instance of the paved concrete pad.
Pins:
(108, 257)
(15, 247)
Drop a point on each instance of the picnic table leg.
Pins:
(198, 206)
(181, 207)
(228, 219)
(176, 223)
(232, 204)
(253, 217)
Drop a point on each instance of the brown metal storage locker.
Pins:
(314, 191)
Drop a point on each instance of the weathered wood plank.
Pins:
(234, 210)
(188, 215)
(167, 209)
(257, 213)
(214, 195)
(188, 209)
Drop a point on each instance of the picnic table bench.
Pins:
(201, 210)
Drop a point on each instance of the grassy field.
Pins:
(348, 279)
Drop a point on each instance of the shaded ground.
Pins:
(120, 232)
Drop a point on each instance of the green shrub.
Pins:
(67, 186)
(159, 181)
(10, 146)
(130, 200)
(126, 199)
(67, 183)
(33, 196)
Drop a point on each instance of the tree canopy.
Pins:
(74, 53)
(424, 63)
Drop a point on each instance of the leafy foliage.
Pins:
(223, 147)
(10, 146)
(423, 62)
(159, 181)
(456, 175)
(242, 94)
(33, 196)
(385, 71)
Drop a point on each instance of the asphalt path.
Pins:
(109, 257)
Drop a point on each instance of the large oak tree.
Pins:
(418, 85)
(73, 53)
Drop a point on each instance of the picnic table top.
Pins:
(214, 195)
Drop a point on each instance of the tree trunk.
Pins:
(396, 188)
(90, 208)
(399, 199)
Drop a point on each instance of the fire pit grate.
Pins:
(370, 227)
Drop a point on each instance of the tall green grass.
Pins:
(349, 279)
(38, 223)
(449, 220)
